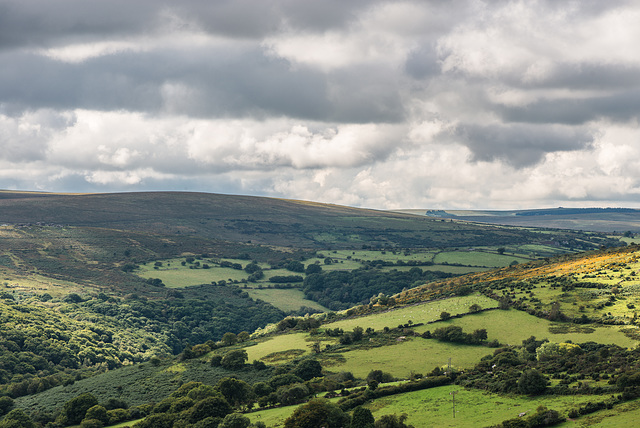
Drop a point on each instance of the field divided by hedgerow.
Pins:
(410, 355)
(474, 408)
(511, 327)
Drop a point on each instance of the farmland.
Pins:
(128, 297)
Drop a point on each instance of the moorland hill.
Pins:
(260, 220)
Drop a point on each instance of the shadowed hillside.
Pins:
(256, 219)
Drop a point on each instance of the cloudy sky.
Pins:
(380, 104)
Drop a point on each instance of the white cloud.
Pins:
(383, 104)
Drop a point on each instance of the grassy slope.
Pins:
(420, 355)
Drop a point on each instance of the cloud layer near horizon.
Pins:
(384, 104)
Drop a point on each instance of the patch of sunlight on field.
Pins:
(416, 354)
(512, 327)
(456, 270)
(477, 258)
(281, 343)
(180, 277)
(286, 299)
(272, 417)
(126, 424)
(474, 408)
(387, 255)
(425, 312)
(621, 416)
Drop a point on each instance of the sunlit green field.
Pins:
(512, 327)
(473, 408)
(477, 258)
(411, 355)
(429, 311)
(285, 342)
(174, 275)
(622, 416)
(286, 299)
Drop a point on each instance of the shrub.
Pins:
(317, 413)
(97, 412)
(75, 409)
(6, 403)
(532, 382)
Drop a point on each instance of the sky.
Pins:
(459, 104)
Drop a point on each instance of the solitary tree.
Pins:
(308, 369)
(234, 359)
(229, 339)
(317, 413)
(75, 409)
(532, 382)
(362, 418)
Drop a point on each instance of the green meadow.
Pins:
(512, 327)
(473, 408)
(174, 275)
(478, 258)
(425, 312)
(415, 355)
(280, 344)
(290, 299)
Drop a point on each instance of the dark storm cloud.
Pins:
(50, 23)
(520, 145)
(219, 83)
(619, 107)
(422, 62)
(587, 76)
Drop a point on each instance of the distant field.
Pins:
(477, 258)
(589, 219)
(286, 299)
(174, 275)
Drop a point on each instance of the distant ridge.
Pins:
(261, 220)
(606, 220)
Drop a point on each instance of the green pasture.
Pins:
(512, 327)
(424, 312)
(621, 416)
(126, 424)
(272, 417)
(411, 355)
(174, 275)
(474, 408)
(541, 250)
(290, 299)
(386, 255)
(585, 301)
(477, 258)
(456, 270)
(279, 344)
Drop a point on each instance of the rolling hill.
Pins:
(165, 285)
(266, 221)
